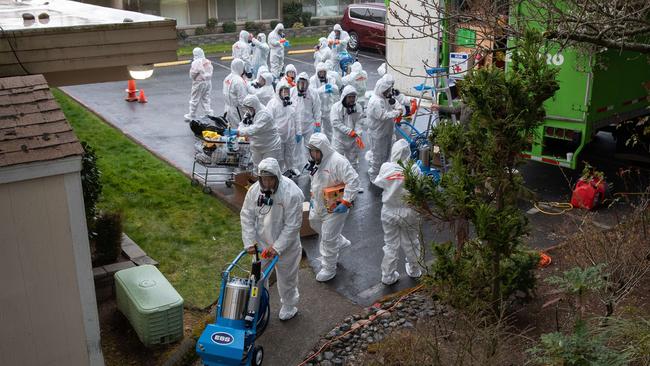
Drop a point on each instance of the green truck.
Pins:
(597, 92)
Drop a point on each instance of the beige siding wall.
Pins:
(41, 317)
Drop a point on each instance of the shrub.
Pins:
(305, 18)
(291, 12)
(181, 34)
(91, 186)
(273, 23)
(331, 21)
(108, 227)
(229, 27)
(211, 24)
(298, 25)
(199, 31)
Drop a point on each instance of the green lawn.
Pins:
(191, 234)
(227, 47)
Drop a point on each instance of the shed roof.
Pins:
(32, 126)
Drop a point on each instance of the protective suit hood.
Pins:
(383, 84)
(282, 84)
(271, 165)
(243, 36)
(320, 141)
(322, 42)
(356, 67)
(261, 37)
(268, 78)
(303, 75)
(337, 27)
(321, 67)
(290, 67)
(330, 65)
(198, 53)
(349, 89)
(253, 102)
(278, 27)
(237, 66)
(400, 151)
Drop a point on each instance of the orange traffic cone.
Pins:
(142, 98)
(131, 92)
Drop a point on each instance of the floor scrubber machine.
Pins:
(242, 314)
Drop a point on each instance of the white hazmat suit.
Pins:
(399, 221)
(277, 225)
(277, 49)
(260, 53)
(381, 125)
(328, 92)
(332, 170)
(234, 91)
(307, 104)
(346, 126)
(242, 49)
(263, 92)
(322, 53)
(358, 78)
(262, 133)
(339, 44)
(286, 120)
(201, 75)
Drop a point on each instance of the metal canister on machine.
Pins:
(235, 298)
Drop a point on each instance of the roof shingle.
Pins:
(32, 126)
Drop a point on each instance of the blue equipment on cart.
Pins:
(345, 60)
(242, 314)
(420, 148)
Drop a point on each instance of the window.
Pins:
(198, 11)
(369, 14)
(226, 10)
(248, 10)
(176, 9)
(270, 9)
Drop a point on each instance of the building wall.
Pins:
(48, 313)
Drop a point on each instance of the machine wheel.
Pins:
(258, 356)
(228, 183)
(207, 190)
(263, 321)
(353, 43)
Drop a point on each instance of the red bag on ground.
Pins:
(588, 194)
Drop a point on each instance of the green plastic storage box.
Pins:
(150, 303)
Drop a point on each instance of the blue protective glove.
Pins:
(298, 139)
(287, 44)
(419, 164)
(328, 89)
(311, 204)
(231, 132)
(341, 208)
(316, 129)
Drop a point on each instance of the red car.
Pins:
(365, 24)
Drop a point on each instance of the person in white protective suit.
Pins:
(322, 53)
(276, 43)
(328, 92)
(381, 114)
(286, 120)
(242, 49)
(259, 127)
(338, 41)
(334, 74)
(327, 169)
(260, 53)
(201, 75)
(290, 74)
(307, 104)
(234, 91)
(262, 87)
(358, 78)
(346, 125)
(399, 221)
(381, 70)
(271, 217)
